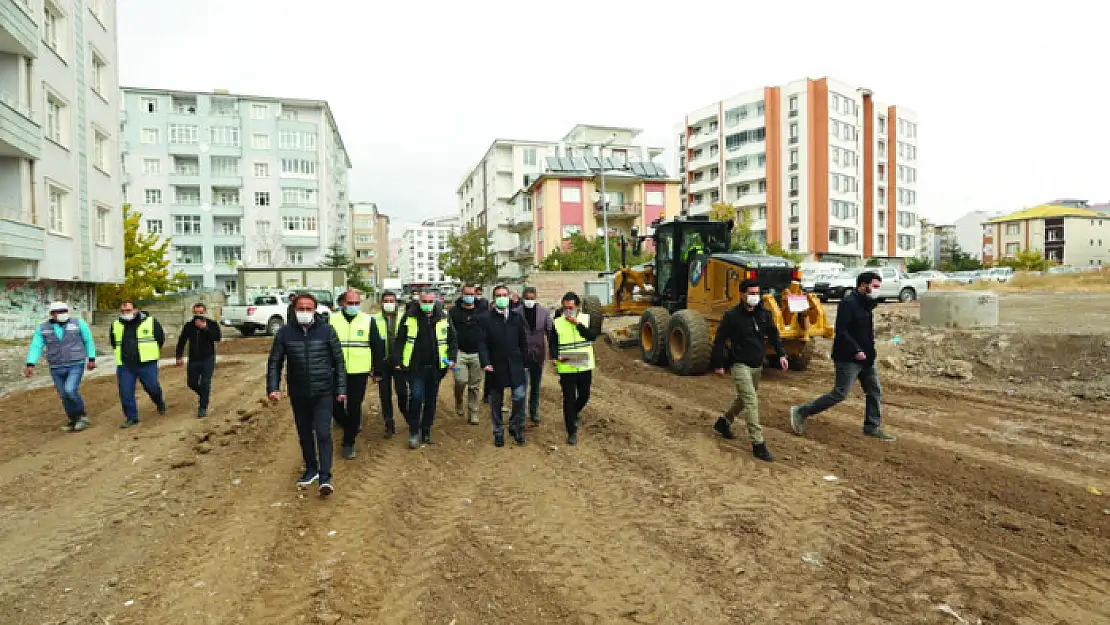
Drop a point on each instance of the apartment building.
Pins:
(824, 168)
(489, 193)
(235, 179)
(60, 210)
(1068, 235)
(370, 241)
(937, 242)
(421, 246)
(969, 232)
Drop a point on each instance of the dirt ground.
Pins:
(992, 507)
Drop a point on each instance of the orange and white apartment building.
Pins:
(1069, 235)
(824, 168)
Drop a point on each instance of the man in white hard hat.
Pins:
(68, 346)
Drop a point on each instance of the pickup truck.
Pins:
(896, 285)
(268, 312)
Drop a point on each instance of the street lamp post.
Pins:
(605, 218)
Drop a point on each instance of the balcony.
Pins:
(185, 177)
(19, 134)
(525, 252)
(705, 160)
(19, 34)
(21, 241)
(628, 210)
(521, 222)
(704, 138)
(705, 184)
(747, 174)
(190, 149)
(300, 238)
(226, 180)
(186, 208)
(227, 210)
(752, 198)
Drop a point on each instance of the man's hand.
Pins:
(91, 365)
(180, 361)
(275, 396)
(341, 399)
(28, 371)
(488, 368)
(719, 371)
(784, 363)
(201, 323)
(861, 356)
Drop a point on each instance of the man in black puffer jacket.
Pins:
(315, 377)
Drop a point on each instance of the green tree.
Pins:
(470, 258)
(958, 260)
(872, 262)
(914, 265)
(146, 267)
(584, 254)
(1026, 260)
(775, 249)
(338, 258)
(743, 239)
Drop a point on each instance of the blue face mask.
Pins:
(468, 299)
(352, 310)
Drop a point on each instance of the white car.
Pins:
(999, 274)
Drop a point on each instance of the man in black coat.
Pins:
(853, 357)
(315, 377)
(201, 334)
(740, 347)
(502, 356)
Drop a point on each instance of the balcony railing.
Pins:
(628, 208)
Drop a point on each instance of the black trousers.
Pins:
(313, 418)
(393, 381)
(350, 416)
(576, 393)
(198, 376)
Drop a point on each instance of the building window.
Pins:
(149, 105)
(261, 198)
(310, 141)
(101, 151)
(55, 109)
(103, 213)
(262, 226)
(1013, 228)
(289, 114)
(793, 104)
(225, 165)
(149, 136)
(260, 141)
(56, 198)
(261, 170)
(231, 286)
(186, 225)
(571, 195)
(298, 225)
(654, 198)
(152, 166)
(99, 68)
(221, 107)
(294, 257)
(530, 156)
(570, 230)
(227, 136)
(228, 253)
(183, 134)
(298, 197)
(228, 227)
(263, 257)
(259, 111)
(154, 226)
(225, 197)
(153, 196)
(188, 254)
(53, 26)
(186, 196)
(298, 168)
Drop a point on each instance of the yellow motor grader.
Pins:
(682, 296)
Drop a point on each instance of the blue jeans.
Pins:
(846, 374)
(423, 392)
(534, 371)
(147, 375)
(67, 379)
(516, 418)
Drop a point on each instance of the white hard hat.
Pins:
(58, 307)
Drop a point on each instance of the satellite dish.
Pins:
(203, 147)
(205, 208)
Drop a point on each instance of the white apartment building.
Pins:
(60, 216)
(823, 168)
(421, 246)
(235, 179)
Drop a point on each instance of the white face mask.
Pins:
(529, 303)
(304, 317)
(127, 316)
(873, 293)
(61, 317)
(753, 300)
(389, 307)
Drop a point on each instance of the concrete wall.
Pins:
(24, 303)
(551, 285)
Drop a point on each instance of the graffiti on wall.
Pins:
(24, 303)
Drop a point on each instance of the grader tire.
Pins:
(688, 344)
(800, 362)
(653, 335)
(592, 307)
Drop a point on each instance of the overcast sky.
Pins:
(1011, 101)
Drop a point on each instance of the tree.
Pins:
(1026, 260)
(914, 265)
(872, 262)
(958, 260)
(743, 239)
(582, 254)
(469, 257)
(775, 249)
(337, 257)
(146, 266)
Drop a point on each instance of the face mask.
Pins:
(389, 307)
(61, 317)
(569, 312)
(427, 307)
(353, 309)
(127, 316)
(529, 303)
(468, 299)
(304, 317)
(753, 300)
(501, 302)
(873, 294)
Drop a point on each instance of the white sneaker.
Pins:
(797, 421)
(308, 479)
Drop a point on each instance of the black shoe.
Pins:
(390, 429)
(723, 428)
(759, 450)
(162, 408)
(535, 418)
(572, 438)
(426, 438)
(326, 488)
(498, 440)
(129, 423)
(518, 436)
(349, 452)
(414, 441)
(880, 434)
(202, 413)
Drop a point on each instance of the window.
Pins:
(223, 107)
(793, 104)
(1013, 228)
(188, 254)
(186, 196)
(288, 113)
(154, 226)
(152, 166)
(793, 132)
(101, 152)
(186, 225)
(99, 69)
(227, 136)
(310, 141)
(57, 206)
(289, 140)
(55, 108)
(294, 257)
(184, 106)
(225, 165)
(149, 135)
(298, 168)
(263, 257)
(261, 170)
(153, 196)
(298, 197)
(231, 286)
(228, 253)
(261, 198)
(654, 198)
(571, 195)
(298, 225)
(149, 105)
(882, 124)
(262, 226)
(530, 156)
(259, 111)
(228, 227)
(183, 134)
(53, 27)
(260, 141)
(225, 197)
(103, 213)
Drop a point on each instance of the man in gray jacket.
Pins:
(537, 325)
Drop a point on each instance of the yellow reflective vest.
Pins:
(354, 337)
(144, 334)
(571, 342)
(412, 327)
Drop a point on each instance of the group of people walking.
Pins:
(503, 345)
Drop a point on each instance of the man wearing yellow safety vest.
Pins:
(137, 339)
(422, 350)
(571, 345)
(354, 330)
(383, 333)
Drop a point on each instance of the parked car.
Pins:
(999, 274)
(268, 312)
(896, 284)
(962, 277)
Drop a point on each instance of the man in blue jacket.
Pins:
(69, 348)
(853, 357)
